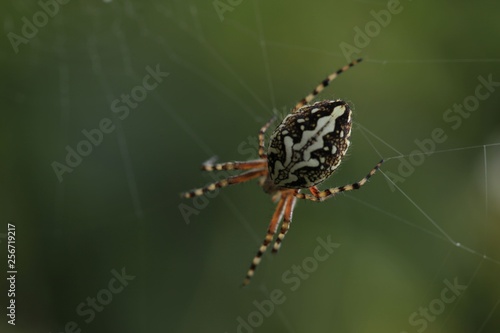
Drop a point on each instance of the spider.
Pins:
(303, 151)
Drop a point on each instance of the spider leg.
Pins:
(287, 220)
(254, 164)
(323, 195)
(246, 165)
(271, 230)
(314, 190)
(244, 177)
(323, 84)
(262, 131)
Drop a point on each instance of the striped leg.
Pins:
(314, 190)
(323, 195)
(262, 145)
(323, 84)
(287, 220)
(247, 165)
(271, 230)
(244, 177)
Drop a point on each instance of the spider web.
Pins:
(433, 228)
(189, 20)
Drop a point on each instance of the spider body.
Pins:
(308, 145)
(304, 150)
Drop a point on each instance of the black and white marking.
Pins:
(308, 145)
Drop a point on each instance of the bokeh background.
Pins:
(120, 208)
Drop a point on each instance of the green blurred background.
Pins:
(120, 208)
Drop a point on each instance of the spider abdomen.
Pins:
(308, 145)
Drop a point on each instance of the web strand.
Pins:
(265, 57)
